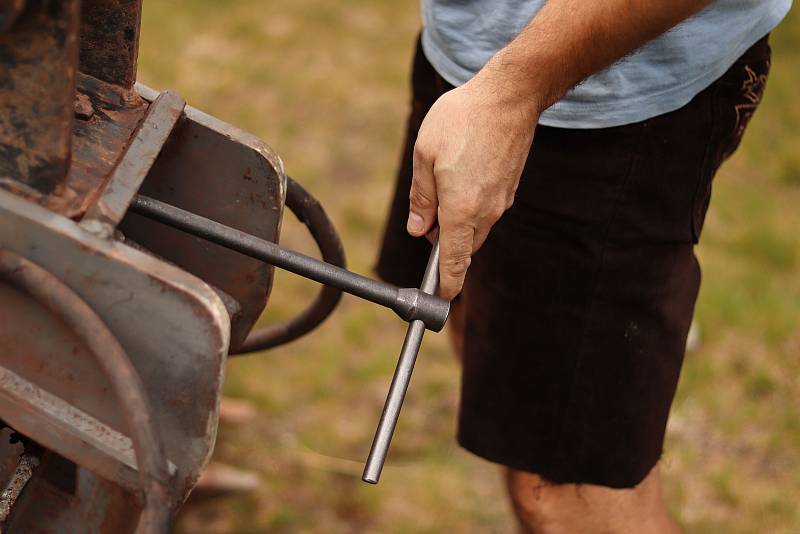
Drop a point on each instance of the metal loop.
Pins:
(311, 213)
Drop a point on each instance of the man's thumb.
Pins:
(423, 202)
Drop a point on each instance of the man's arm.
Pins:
(473, 143)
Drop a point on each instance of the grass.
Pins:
(325, 83)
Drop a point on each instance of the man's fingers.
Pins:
(422, 197)
(481, 233)
(455, 243)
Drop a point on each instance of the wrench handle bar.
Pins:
(400, 380)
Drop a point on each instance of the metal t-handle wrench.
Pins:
(418, 306)
(401, 379)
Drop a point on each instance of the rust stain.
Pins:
(110, 40)
(35, 119)
(83, 107)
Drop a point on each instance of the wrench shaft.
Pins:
(409, 303)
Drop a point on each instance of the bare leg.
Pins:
(545, 508)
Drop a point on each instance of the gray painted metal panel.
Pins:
(218, 171)
(172, 325)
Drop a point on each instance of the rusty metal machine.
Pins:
(138, 238)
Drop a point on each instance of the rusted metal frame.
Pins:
(38, 60)
(9, 11)
(110, 40)
(56, 501)
(132, 169)
(10, 451)
(107, 117)
(310, 212)
(69, 431)
(152, 464)
(28, 462)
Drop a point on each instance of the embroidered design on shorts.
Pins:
(752, 91)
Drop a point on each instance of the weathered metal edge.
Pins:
(247, 139)
(149, 264)
(62, 422)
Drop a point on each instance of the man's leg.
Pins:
(541, 507)
(544, 508)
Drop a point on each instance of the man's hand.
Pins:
(468, 158)
(473, 143)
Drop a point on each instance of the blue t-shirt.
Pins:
(460, 36)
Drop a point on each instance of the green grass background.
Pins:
(325, 83)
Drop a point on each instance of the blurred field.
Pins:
(325, 83)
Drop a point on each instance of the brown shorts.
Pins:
(578, 305)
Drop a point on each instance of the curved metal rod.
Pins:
(151, 459)
(308, 211)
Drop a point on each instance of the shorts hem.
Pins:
(558, 475)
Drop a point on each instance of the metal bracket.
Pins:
(71, 432)
(132, 169)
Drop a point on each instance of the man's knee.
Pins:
(535, 504)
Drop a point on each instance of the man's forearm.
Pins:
(569, 40)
